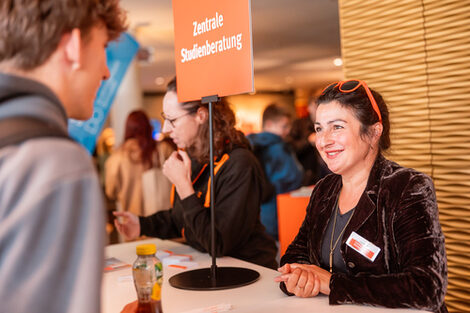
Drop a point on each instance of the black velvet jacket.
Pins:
(398, 213)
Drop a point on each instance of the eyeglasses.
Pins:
(350, 86)
(173, 120)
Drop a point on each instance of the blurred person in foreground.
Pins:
(52, 61)
(281, 167)
(238, 185)
(371, 234)
(133, 172)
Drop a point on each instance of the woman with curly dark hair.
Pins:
(371, 234)
(238, 186)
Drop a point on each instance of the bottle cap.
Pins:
(146, 249)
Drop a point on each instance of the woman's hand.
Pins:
(300, 282)
(128, 226)
(177, 168)
(305, 280)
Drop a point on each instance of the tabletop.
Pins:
(262, 296)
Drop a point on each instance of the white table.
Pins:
(262, 296)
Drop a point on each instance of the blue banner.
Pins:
(119, 54)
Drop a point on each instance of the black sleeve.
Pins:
(159, 225)
(237, 204)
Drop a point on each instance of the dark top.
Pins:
(282, 170)
(239, 233)
(398, 213)
(338, 261)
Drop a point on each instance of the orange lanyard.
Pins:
(200, 173)
(219, 164)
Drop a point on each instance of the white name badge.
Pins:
(363, 246)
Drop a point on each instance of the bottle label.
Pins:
(159, 273)
(156, 292)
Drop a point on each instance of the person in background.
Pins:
(52, 62)
(278, 160)
(238, 186)
(302, 139)
(127, 168)
(321, 169)
(104, 148)
(371, 234)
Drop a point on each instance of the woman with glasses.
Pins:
(238, 186)
(371, 234)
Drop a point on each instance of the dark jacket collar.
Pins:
(364, 208)
(23, 97)
(368, 202)
(12, 87)
(264, 139)
(329, 188)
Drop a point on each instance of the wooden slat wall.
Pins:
(417, 54)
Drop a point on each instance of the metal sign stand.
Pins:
(213, 278)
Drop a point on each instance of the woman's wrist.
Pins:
(185, 190)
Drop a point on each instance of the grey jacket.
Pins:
(51, 213)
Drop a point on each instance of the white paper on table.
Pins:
(184, 265)
(222, 307)
(175, 259)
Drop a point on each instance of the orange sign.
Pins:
(213, 48)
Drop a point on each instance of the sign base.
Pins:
(226, 278)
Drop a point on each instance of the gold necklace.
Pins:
(333, 247)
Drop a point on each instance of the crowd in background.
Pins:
(133, 179)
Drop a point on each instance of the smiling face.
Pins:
(184, 127)
(339, 140)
